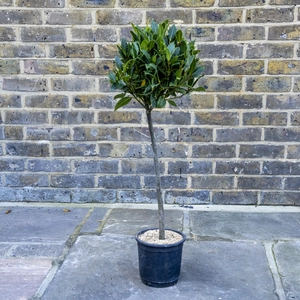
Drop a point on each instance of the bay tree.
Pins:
(155, 68)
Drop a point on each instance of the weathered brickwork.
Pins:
(61, 141)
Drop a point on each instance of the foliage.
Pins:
(156, 67)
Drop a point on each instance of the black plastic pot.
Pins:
(159, 265)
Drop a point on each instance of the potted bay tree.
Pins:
(155, 68)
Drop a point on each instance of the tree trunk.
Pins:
(161, 214)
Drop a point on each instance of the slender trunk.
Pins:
(161, 214)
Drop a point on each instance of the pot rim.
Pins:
(160, 245)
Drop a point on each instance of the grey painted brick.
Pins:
(109, 117)
(72, 51)
(12, 50)
(68, 18)
(223, 16)
(73, 84)
(171, 117)
(200, 34)
(93, 195)
(169, 150)
(192, 135)
(273, 15)
(27, 149)
(187, 197)
(42, 195)
(92, 67)
(265, 118)
(234, 198)
(46, 66)
(216, 118)
(25, 84)
(260, 183)
(141, 134)
(8, 164)
(292, 183)
(49, 165)
(213, 151)
(24, 117)
(46, 101)
(191, 167)
(261, 151)
(20, 17)
(281, 168)
(120, 150)
(53, 134)
(241, 33)
(43, 34)
(220, 51)
(239, 101)
(94, 35)
(167, 182)
(17, 180)
(95, 134)
(139, 166)
(118, 17)
(13, 132)
(7, 34)
(10, 101)
(93, 101)
(237, 167)
(238, 135)
(96, 166)
(119, 182)
(72, 117)
(137, 196)
(78, 149)
(282, 134)
(72, 181)
(280, 198)
(38, 3)
(172, 15)
(282, 50)
(293, 151)
(283, 101)
(212, 182)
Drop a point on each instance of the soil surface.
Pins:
(151, 237)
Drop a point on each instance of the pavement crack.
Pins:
(274, 270)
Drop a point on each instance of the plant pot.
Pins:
(159, 265)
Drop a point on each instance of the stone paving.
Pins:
(74, 252)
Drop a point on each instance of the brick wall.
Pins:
(238, 143)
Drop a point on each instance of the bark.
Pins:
(161, 214)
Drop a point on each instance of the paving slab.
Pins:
(20, 278)
(132, 221)
(106, 267)
(94, 221)
(39, 224)
(245, 226)
(288, 261)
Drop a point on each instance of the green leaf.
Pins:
(144, 45)
(118, 62)
(172, 32)
(171, 48)
(199, 89)
(112, 77)
(178, 35)
(161, 102)
(172, 102)
(124, 101)
(154, 26)
(124, 44)
(119, 96)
